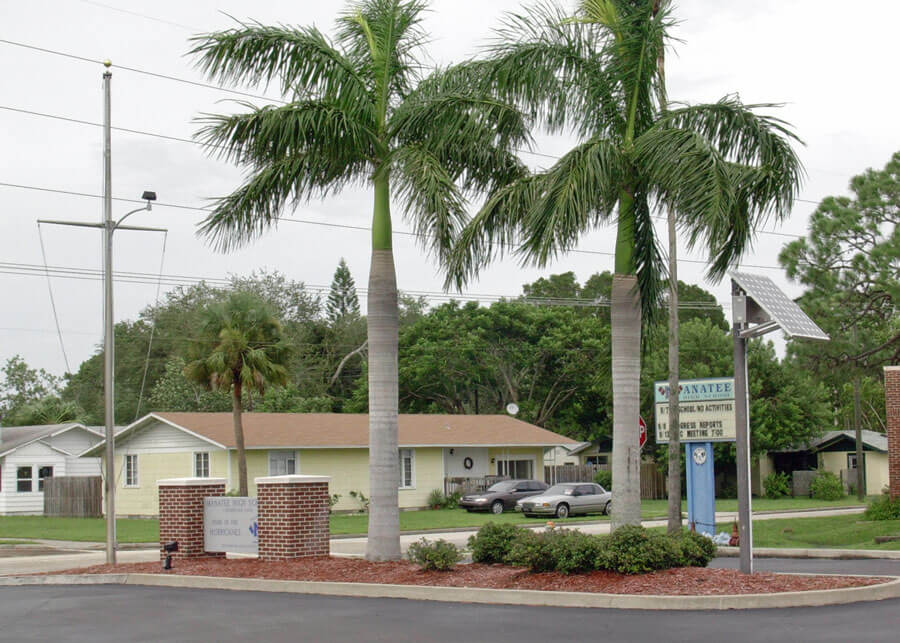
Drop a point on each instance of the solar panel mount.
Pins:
(778, 310)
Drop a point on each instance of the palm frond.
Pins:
(493, 231)
(578, 192)
(648, 261)
(431, 199)
(340, 135)
(301, 60)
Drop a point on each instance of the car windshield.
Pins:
(559, 490)
(501, 487)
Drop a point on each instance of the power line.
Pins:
(323, 223)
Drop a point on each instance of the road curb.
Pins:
(827, 554)
(815, 598)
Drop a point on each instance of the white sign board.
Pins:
(230, 525)
(706, 410)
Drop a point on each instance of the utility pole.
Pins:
(109, 226)
(857, 425)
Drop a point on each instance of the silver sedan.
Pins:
(569, 499)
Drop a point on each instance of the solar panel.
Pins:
(780, 308)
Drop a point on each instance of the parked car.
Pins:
(502, 495)
(569, 499)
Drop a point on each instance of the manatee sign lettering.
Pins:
(230, 525)
(706, 410)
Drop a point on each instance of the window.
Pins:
(43, 473)
(23, 479)
(851, 460)
(407, 469)
(131, 470)
(201, 465)
(282, 463)
(516, 469)
(597, 459)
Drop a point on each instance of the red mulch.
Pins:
(682, 581)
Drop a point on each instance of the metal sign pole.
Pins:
(742, 431)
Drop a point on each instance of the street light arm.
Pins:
(128, 214)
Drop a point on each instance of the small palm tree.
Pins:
(721, 167)
(241, 348)
(359, 112)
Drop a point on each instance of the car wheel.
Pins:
(497, 507)
(562, 510)
(607, 508)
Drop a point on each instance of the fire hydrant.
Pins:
(735, 540)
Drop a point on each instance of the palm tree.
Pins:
(721, 167)
(241, 348)
(359, 112)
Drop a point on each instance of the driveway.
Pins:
(95, 614)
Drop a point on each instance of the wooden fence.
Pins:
(73, 496)
(653, 482)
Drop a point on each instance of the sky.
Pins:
(831, 68)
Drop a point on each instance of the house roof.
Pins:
(871, 439)
(342, 430)
(14, 437)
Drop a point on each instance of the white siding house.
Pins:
(30, 454)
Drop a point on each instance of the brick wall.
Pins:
(892, 402)
(293, 516)
(181, 513)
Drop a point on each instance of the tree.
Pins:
(358, 112)
(850, 264)
(21, 386)
(342, 301)
(241, 347)
(721, 167)
(47, 410)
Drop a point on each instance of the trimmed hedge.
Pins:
(628, 550)
(492, 542)
(826, 486)
(439, 555)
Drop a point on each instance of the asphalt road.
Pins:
(128, 613)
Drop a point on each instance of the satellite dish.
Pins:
(512, 408)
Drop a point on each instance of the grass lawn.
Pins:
(833, 532)
(659, 508)
(80, 529)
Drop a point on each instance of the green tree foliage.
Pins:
(342, 304)
(47, 410)
(22, 386)
(849, 264)
(239, 347)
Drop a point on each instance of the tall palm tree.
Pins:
(240, 348)
(722, 168)
(359, 112)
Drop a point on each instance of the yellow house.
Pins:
(835, 452)
(431, 448)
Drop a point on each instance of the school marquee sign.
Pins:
(706, 410)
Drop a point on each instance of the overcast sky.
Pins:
(833, 68)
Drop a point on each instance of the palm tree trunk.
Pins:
(626, 370)
(239, 439)
(673, 481)
(383, 326)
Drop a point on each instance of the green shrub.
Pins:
(883, 508)
(452, 501)
(436, 499)
(532, 550)
(492, 542)
(777, 485)
(826, 486)
(604, 479)
(439, 555)
(634, 550)
(696, 549)
(574, 551)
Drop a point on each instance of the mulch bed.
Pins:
(681, 581)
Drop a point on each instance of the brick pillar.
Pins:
(181, 513)
(293, 516)
(892, 402)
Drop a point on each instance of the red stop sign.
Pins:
(643, 425)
